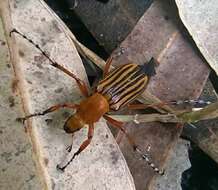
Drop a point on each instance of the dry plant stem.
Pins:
(209, 112)
(84, 51)
(144, 118)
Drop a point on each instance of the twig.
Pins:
(208, 112)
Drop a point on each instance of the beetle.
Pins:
(116, 90)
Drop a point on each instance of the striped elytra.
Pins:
(123, 84)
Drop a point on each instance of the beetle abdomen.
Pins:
(123, 85)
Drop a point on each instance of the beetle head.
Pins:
(73, 123)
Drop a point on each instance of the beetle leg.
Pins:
(176, 102)
(145, 106)
(49, 110)
(119, 125)
(107, 66)
(81, 84)
(69, 148)
(81, 148)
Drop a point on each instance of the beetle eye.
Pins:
(67, 129)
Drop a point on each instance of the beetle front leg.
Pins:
(81, 148)
(69, 148)
(81, 84)
(49, 110)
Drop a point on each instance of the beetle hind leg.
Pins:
(144, 156)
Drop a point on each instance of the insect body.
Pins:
(117, 89)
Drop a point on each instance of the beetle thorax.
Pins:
(93, 108)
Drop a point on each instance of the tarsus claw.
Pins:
(60, 168)
(21, 119)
